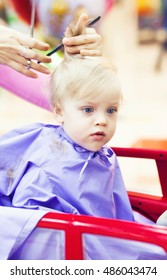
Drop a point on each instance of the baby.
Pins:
(69, 167)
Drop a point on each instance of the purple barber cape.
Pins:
(20, 239)
(41, 168)
(15, 227)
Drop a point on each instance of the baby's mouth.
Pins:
(99, 133)
(98, 136)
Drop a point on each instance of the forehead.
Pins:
(103, 99)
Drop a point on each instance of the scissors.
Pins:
(32, 23)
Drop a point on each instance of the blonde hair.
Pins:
(80, 76)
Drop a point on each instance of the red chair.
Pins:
(150, 205)
(75, 226)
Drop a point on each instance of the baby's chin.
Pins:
(92, 148)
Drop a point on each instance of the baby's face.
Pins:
(91, 121)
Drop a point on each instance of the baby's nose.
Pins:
(101, 120)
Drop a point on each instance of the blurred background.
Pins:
(134, 36)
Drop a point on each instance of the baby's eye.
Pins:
(88, 109)
(111, 111)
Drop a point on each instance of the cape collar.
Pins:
(104, 153)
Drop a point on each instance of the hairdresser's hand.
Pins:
(89, 43)
(17, 51)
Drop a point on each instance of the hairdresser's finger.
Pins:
(90, 30)
(32, 43)
(90, 44)
(22, 69)
(78, 40)
(77, 26)
(82, 21)
(35, 44)
(90, 52)
(39, 67)
(19, 38)
(82, 40)
(28, 53)
(15, 48)
(25, 66)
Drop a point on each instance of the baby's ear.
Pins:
(58, 113)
